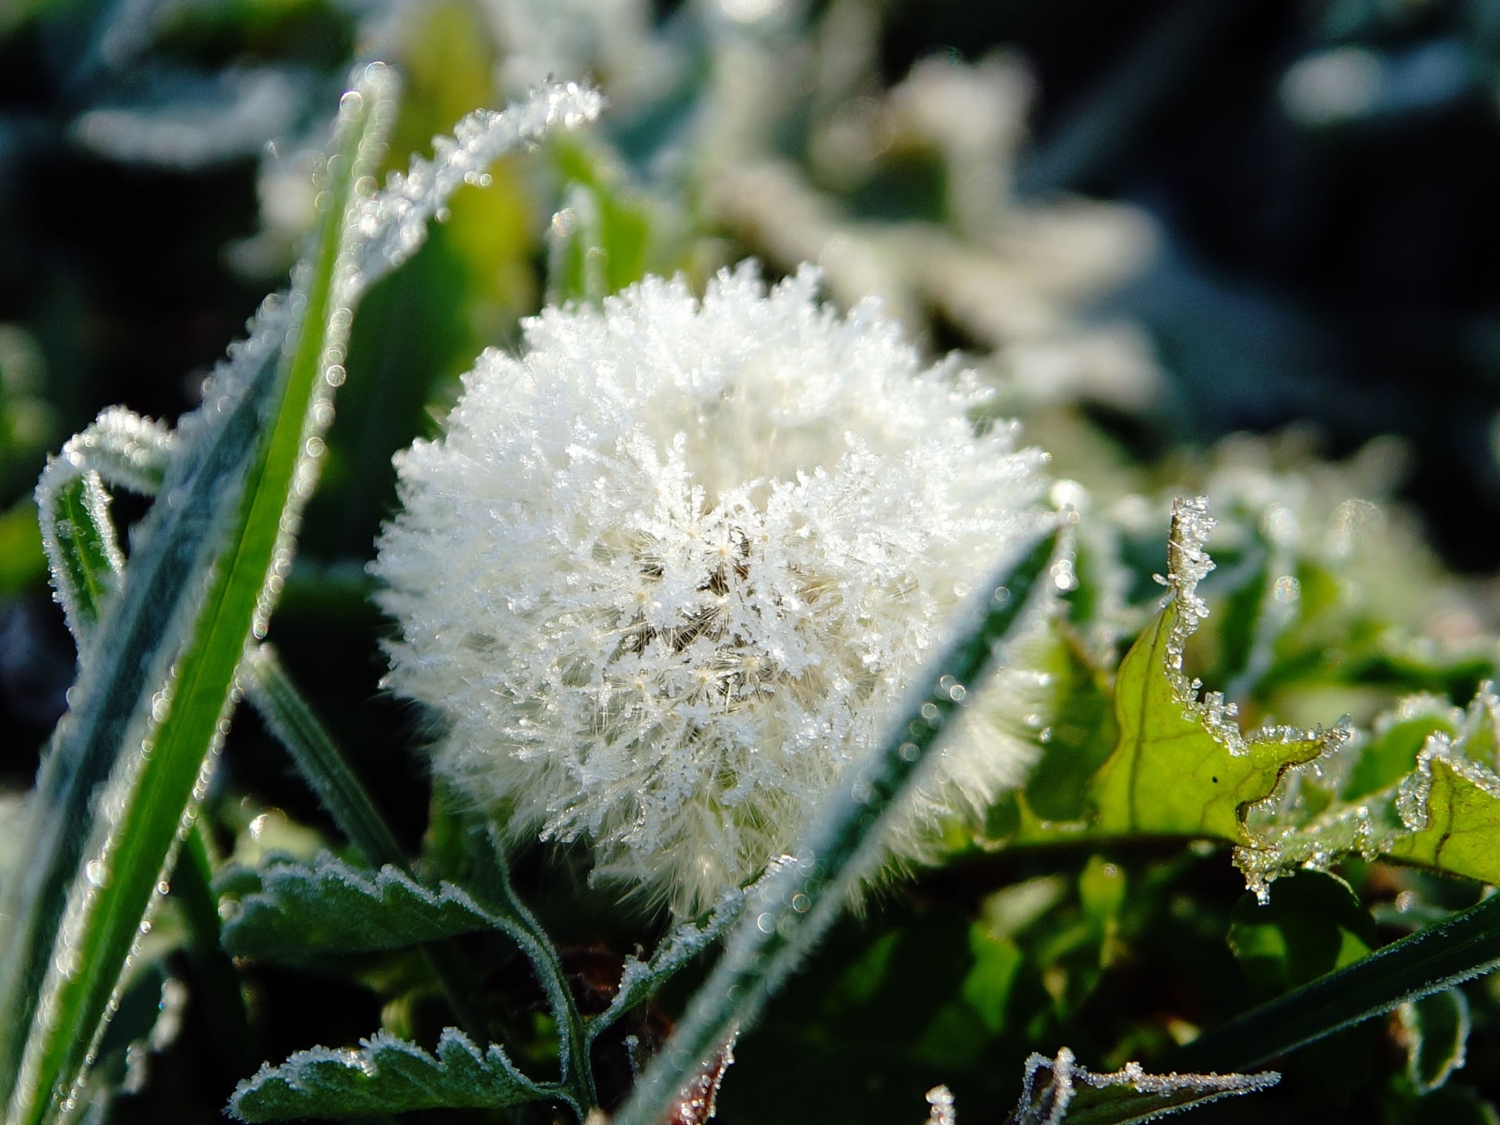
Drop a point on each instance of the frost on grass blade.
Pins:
(83, 553)
(1182, 766)
(125, 449)
(392, 223)
(206, 565)
(684, 941)
(384, 1075)
(300, 909)
(1073, 1093)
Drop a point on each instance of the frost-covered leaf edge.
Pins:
(355, 910)
(307, 1083)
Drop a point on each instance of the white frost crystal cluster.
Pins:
(668, 572)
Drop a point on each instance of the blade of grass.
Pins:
(211, 555)
(145, 802)
(110, 704)
(1456, 949)
(79, 540)
(291, 719)
(798, 903)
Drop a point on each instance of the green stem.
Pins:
(285, 711)
(577, 1075)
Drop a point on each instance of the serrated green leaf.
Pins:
(1444, 814)
(1173, 774)
(329, 906)
(1461, 817)
(385, 1075)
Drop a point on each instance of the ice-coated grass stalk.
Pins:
(126, 761)
(273, 694)
(785, 918)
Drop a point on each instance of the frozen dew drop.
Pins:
(1287, 590)
(97, 872)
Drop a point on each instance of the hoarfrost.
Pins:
(1046, 1102)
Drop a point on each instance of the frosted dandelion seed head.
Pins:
(666, 573)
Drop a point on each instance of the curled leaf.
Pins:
(1074, 1093)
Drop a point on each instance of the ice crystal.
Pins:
(664, 575)
(1047, 1103)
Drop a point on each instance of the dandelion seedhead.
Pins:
(666, 574)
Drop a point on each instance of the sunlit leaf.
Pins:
(1182, 767)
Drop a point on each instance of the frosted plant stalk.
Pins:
(664, 575)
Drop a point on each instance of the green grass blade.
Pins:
(1463, 946)
(246, 456)
(289, 717)
(111, 705)
(210, 557)
(79, 539)
(792, 908)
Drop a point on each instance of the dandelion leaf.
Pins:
(1460, 820)
(1442, 812)
(1182, 767)
(384, 1075)
(292, 910)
